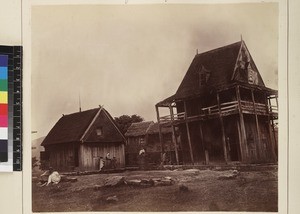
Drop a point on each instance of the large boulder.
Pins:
(114, 181)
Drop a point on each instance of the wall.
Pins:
(62, 157)
(90, 153)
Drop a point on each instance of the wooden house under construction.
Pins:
(79, 140)
(223, 110)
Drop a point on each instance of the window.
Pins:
(204, 75)
(99, 131)
(202, 78)
(142, 141)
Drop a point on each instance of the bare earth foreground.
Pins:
(191, 190)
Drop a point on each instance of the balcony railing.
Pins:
(225, 109)
(178, 116)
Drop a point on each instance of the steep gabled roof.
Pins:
(138, 129)
(219, 67)
(74, 127)
(220, 62)
(143, 128)
(154, 129)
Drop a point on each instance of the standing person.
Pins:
(142, 153)
(108, 161)
(101, 163)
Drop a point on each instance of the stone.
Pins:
(227, 175)
(183, 188)
(192, 170)
(165, 182)
(114, 181)
(134, 182)
(97, 187)
(68, 179)
(112, 199)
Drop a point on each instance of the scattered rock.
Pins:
(97, 187)
(165, 182)
(227, 175)
(133, 182)
(183, 188)
(68, 179)
(147, 183)
(112, 199)
(114, 181)
(193, 170)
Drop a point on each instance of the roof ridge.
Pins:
(217, 49)
(142, 122)
(113, 122)
(91, 123)
(80, 112)
(150, 125)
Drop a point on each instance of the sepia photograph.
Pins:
(154, 107)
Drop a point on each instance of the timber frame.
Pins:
(262, 105)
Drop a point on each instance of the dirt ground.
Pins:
(207, 190)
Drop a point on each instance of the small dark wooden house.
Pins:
(145, 135)
(79, 140)
(223, 110)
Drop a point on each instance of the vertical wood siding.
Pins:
(61, 157)
(89, 154)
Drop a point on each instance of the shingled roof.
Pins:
(154, 129)
(143, 128)
(73, 127)
(138, 129)
(219, 63)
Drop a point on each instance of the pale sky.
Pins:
(129, 57)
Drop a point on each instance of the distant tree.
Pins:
(125, 121)
(34, 162)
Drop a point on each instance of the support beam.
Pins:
(222, 129)
(190, 143)
(159, 131)
(174, 139)
(272, 141)
(240, 139)
(188, 132)
(205, 152)
(258, 146)
(244, 149)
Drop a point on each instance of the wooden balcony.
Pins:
(228, 108)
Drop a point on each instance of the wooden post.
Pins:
(240, 139)
(206, 155)
(222, 129)
(258, 146)
(174, 139)
(243, 143)
(159, 131)
(188, 133)
(190, 143)
(270, 131)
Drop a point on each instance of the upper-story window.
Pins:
(99, 131)
(204, 75)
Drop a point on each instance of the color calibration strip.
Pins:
(11, 108)
(17, 108)
(3, 108)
